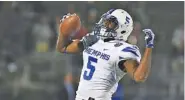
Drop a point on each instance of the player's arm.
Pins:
(140, 71)
(67, 45)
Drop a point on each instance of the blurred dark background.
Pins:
(31, 69)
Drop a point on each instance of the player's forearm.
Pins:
(67, 46)
(61, 43)
(142, 71)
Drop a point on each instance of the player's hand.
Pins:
(149, 38)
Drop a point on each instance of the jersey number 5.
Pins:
(87, 76)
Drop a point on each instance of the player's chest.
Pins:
(104, 51)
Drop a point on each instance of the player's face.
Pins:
(109, 24)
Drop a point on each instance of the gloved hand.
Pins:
(149, 38)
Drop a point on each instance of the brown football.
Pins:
(70, 25)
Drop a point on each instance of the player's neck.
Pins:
(108, 39)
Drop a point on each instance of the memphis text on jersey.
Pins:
(97, 53)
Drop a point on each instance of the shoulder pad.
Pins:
(131, 50)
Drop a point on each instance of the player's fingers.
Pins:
(148, 32)
(74, 14)
(145, 31)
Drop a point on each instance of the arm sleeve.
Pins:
(87, 41)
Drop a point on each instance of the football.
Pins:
(70, 25)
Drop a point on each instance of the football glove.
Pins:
(149, 38)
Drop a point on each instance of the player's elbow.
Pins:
(140, 79)
(57, 49)
(60, 50)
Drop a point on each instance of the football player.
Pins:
(107, 56)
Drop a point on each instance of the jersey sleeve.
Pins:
(89, 40)
(130, 52)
